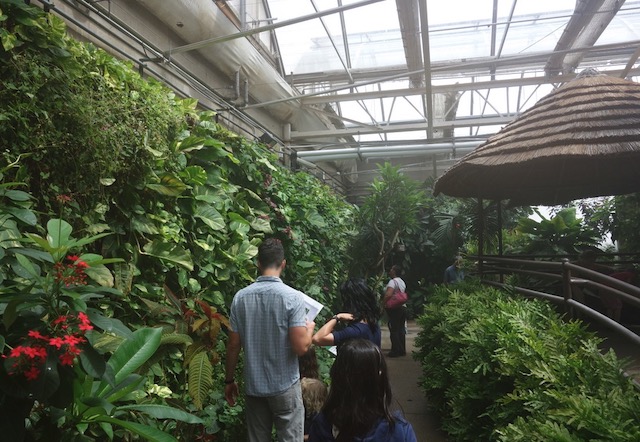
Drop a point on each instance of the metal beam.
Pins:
(333, 43)
(506, 29)
(479, 65)
(408, 127)
(625, 72)
(426, 61)
(258, 30)
(453, 87)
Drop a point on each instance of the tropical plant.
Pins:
(387, 217)
(499, 367)
(564, 233)
(184, 201)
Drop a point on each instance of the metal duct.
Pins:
(350, 153)
(203, 20)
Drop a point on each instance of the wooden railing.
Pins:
(571, 277)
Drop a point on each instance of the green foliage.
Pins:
(173, 202)
(503, 368)
(564, 233)
(626, 215)
(386, 219)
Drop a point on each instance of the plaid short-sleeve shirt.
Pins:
(262, 315)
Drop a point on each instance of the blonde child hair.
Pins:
(314, 393)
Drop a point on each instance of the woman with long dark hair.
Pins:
(360, 314)
(359, 404)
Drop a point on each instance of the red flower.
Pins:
(81, 264)
(67, 359)
(72, 340)
(59, 320)
(35, 352)
(73, 258)
(35, 334)
(32, 373)
(56, 342)
(16, 351)
(82, 316)
(85, 327)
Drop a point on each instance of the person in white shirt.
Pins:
(398, 315)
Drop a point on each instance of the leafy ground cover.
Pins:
(499, 367)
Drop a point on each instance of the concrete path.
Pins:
(405, 374)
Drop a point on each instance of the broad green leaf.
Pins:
(261, 225)
(316, 219)
(266, 163)
(134, 351)
(111, 325)
(191, 143)
(194, 175)
(305, 264)
(200, 378)
(92, 362)
(24, 215)
(10, 313)
(104, 342)
(58, 233)
(245, 251)
(38, 255)
(28, 266)
(107, 181)
(149, 433)
(169, 185)
(169, 252)
(98, 402)
(17, 195)
(176, 339)
(144, 225)
(107, 428)
(8, 39)
(210, 216)
(100, 274)
(164, 412)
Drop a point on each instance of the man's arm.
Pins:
(233, 353)
(300, 338)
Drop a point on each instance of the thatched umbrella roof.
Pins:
(581, 140)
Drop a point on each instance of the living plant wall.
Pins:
(129, 220)
(503, 368)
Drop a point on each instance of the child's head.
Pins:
(314, 393)
(309, 364)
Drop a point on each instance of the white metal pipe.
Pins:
(392, 153)
(389, 149)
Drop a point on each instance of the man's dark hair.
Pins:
(270, 253)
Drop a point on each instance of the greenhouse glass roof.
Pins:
(343, 84)
(366, 63)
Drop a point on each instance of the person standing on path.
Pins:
(268, 321)
(398, 315)
(454, 273)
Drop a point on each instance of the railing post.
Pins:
(566, 286)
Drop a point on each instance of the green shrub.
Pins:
(185, 204)
(504, 368)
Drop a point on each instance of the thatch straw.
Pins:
(581, 140)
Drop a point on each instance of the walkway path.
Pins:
(405, 373)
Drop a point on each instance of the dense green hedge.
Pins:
(182, 201)
(504, 368)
